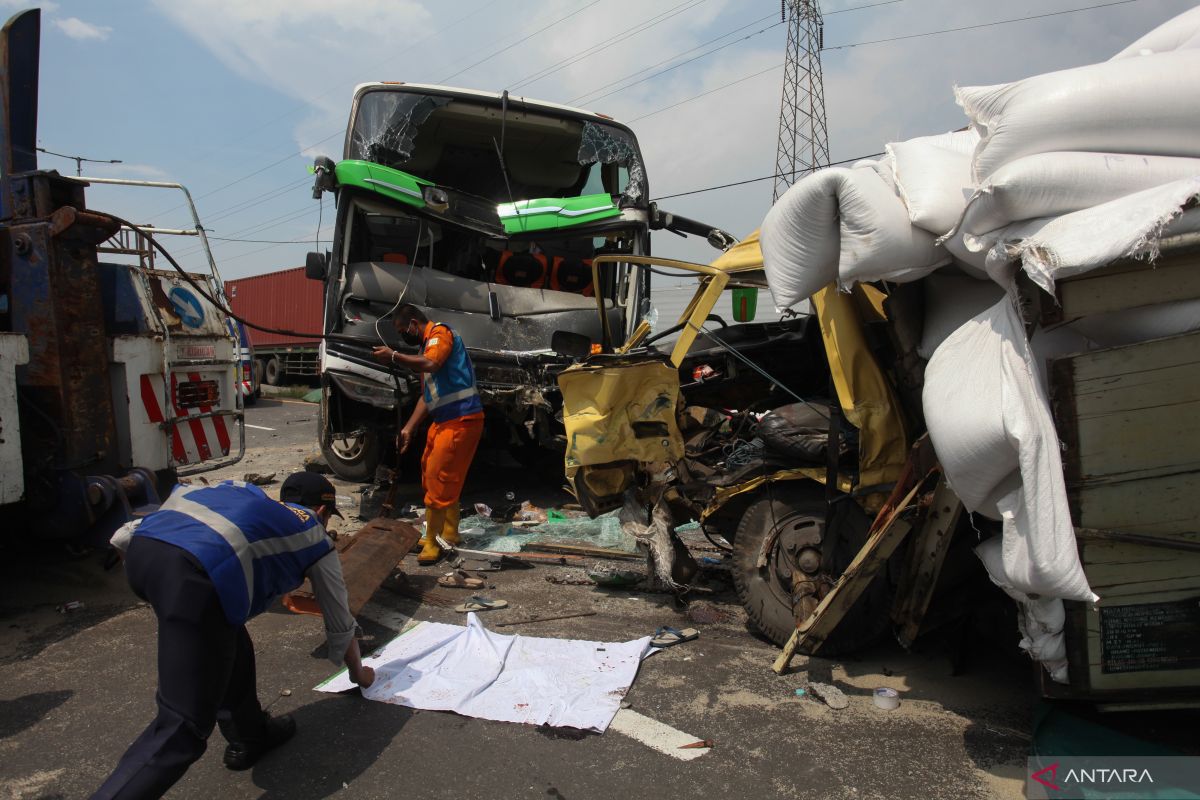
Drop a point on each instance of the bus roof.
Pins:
(429, 88)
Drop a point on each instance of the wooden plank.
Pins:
(581, 550)
(1126, 285)
(927, 554)
(1130, 417)
(368, 558)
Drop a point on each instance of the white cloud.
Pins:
(82, 31)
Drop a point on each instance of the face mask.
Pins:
(411, 338)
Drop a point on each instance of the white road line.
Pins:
(258, 427)
(386, 617)
(655, 734)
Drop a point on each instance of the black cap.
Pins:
(311, 490)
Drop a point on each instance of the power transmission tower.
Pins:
(803, 136)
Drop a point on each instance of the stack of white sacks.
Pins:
(1057, 174)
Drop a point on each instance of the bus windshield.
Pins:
(456, 141)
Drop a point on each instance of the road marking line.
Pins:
(655, 735)
(258, 427)
(386, 617)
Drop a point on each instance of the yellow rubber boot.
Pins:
(435, 522)
(450, 527)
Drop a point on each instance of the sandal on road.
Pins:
(666, 637)
(477, 603)
(459, 579)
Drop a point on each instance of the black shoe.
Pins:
(244, 755)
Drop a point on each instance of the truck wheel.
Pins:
(794, 513)
(273, 372)
(352, 458)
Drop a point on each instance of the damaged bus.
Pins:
(485, 210)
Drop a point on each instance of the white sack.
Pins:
(1051, 184)
(878, 243)
(933, 177)
(1176, 33)
(1041, 621)
(1131, 226)
(990, 424)
(884, 168)
(972, 262)
(951, 300)
(1148, 106)
(846, 217)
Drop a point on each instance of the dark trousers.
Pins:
(205, 673)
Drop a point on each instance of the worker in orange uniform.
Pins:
(450, 397)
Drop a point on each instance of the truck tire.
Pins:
(797, 510)
(273, 372)
(352, 458)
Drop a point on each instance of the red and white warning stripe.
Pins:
(192, 440)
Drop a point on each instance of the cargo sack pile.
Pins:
(1054, 175)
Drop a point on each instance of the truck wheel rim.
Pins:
(349, 448)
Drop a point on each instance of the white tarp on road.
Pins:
(479, 673)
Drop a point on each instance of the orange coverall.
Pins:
(449, 446)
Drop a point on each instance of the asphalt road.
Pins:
(76, 688)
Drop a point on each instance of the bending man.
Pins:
(449, 396)
(209, 559)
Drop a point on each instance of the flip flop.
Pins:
(666, 637)
(477, 603)
(459, 579)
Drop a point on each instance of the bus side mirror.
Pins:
(745, 304)
(315, 266)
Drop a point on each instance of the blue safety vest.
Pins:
(450, 392)
(253, 548)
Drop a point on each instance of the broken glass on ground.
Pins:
(484, 533)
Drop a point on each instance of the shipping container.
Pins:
(285, 300)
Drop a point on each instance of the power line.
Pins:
(621, 36)
(710, 91)
(688, 61)
(266, 241)
(80, 159)
(518, 41)
(755, 180)
(981, 25)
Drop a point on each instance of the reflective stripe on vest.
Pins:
(253, 548)
(450, 392)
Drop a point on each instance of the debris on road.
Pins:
(317, 463)
(830, 695)
(669, 637)
(703, 743)
(478, 603)
(460, 579)
(886, 698)
(257, 479)
(551, 618)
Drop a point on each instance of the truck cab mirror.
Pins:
(745, 303)
(315, 266)
(571, 345)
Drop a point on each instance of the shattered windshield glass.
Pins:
(385, 129)
(457, 142)
(601, 144)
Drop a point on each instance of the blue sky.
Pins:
(231, 97)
